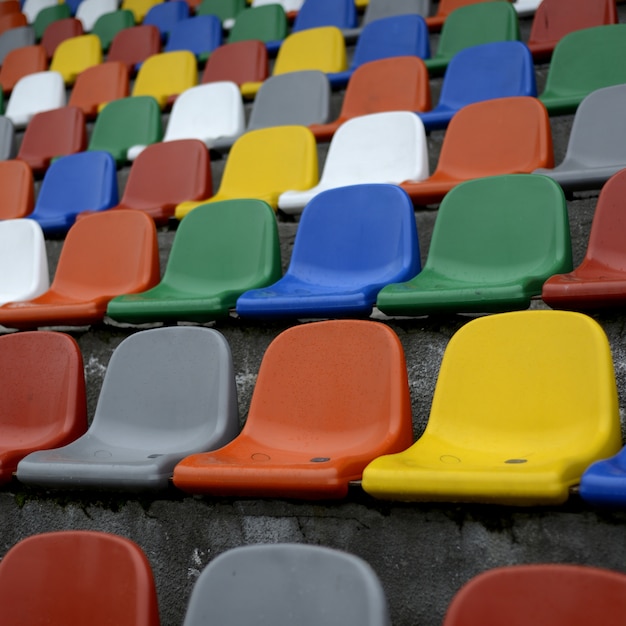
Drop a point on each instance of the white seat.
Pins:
(526, 7)
(32, 7)
(23, 261)
(41, 91)
(377, 148)
(89, 11)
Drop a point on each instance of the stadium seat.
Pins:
(501, 136)
(348, 402)
(75, 55)
(351, 242)
(263, 163)
(133, 46)
(139, 8)
(554, 593)
(496, 240)
(599, 282)
(165, 16)
(472, 25)
(32, 94)
(98, 85)
(225, 10)
(47, 16)
(17, 189)
(241, 62)
(291, 7)
(80, 573)
(582, 62)
(73, 4)
(109, 24)
(30, 8)
(15, 38)
(85, 181)
(596, 147)
(554, 19)
(42, 403)
(379, 148)
(394, 84)
(220, 250)
(58, 31)
(494, 434)
(10, 6)
(125, 123)
(201, 35)
(89, 11)
(525, 8)
(267, 24)
(316, 13)
(52, 134)
(12, 20)
(444, 8)
(288, 583)
(8, 143)
(104, 255)
(141, 427)
(379, 9)
(22, 62)
(166, 75)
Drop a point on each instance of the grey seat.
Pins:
(15, 38)
(167, 393)
(286, 584)
(295, 98)
(8, 144)
(377, 9)
(597, 143)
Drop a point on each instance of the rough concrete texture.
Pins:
(422, 552)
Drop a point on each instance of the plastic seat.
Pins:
(8, 143)
(553, 593)
(582, 62)
(394, 84)
(85, 181)
(17, 191)
(125, 123)
(492, 70)
(220, 251)
(80, 572)
(494, 435)
(242, 62)
(31, 8)
(43, 401)
(15, 38)
(201, 35)
(134, 45)
(263, 23)
(378, 148)
(289, 583)
(139, 7)
(141, 427)
(263, 163)
(98, 85)
(501, 136)
(109, 24)
(226, 10)
(166, 75)
(58, 31)
(10, 6)
(298, 98)
(21, 62)
(554, 19)
(47, 16)
(316, 13)
(75, 55)
(89, 11)
(104, 255)
(599, 282)
(291, 7)
(445, 8)
(595, 150)
(24, 271)
(73, 4)
(53, 134)
(347, 403)
(473, 25)
(379, 9)
(396, 36)
(495, 242)
(165, 15)
(32, 94)
(524, 8)
(351, 242)
(12, 20)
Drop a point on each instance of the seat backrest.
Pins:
(10, 6)
(30, 8)
(12, 20)
(300, 98)
(21, 62)
(165, 15)
(139, 8)
(288, 582)
(15, 38)
(83, 576)
(445, 7)
(50, 14)
(8, 143)
(240, 62)
(316, 13)
(264, 23)
(59, 31)
(75, 55)
(99, 85)
(134, 45)
(225, 10)
(377, 9)
(557, 594)
(16, 188)
(200, 34)
(89, 11)
(108, 25)
(34, 93)
(496, 136)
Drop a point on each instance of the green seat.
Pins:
(496, 240)
(46, 16)
(583, 61)
(109, 24)
(473, 25)
(267, 23)
(220, 250)
(125, 123)
(226, 10)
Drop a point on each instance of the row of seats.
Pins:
(306, 437)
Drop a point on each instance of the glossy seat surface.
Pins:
(75, 55)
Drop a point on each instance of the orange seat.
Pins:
(444, 8)
(104, 255)
(21, 62)
(9, 6)
(134, 45)
(51, 134)
(98, 85)
(329, 396)
(12, 20)
(501, 136)
(42, 403)
(58, 31)
(239, 62)
(17, 189)
(77, 577)
(392, 84)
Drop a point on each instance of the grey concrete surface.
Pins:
(422, 552)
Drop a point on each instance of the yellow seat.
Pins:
(166, 75)
(524, 403)
(75, 55)
(264, 163)
(139, 7)
(322, 49)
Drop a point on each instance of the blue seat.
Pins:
(200, 34)
(315, 13)
(398, 35)
(86, 181)
(351, 242)
(604, 482)
(165, 15)
(492, 70)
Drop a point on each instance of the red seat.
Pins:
(21, 62)
(239, 62)
(58, 31)
(98, 85)
(444, 8)
(17, 190)
(134, 45)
